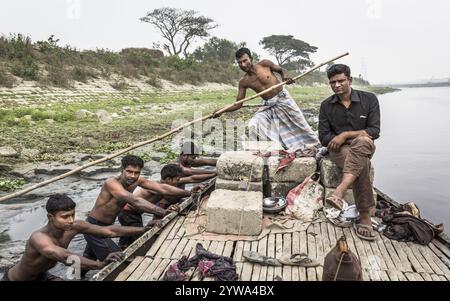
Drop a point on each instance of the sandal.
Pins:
(261, 259)
(373, 236)
(335, 202)
(299, 259)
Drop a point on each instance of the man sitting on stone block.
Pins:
(349, 121)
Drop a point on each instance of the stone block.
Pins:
(238, 165)
(331, 174)
(296, 172)
(281, 189)
(238, 185)
(234, 212)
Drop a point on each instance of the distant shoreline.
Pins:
(427, 85)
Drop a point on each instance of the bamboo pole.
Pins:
(126, 150)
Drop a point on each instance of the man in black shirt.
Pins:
(349, 121)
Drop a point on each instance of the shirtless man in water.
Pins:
(171, 174)
(48, 245)
(291, 129)
(115, 194)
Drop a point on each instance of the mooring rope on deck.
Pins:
(126, 150)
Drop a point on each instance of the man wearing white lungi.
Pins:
(279, 119)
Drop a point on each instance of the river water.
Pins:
(412, 159)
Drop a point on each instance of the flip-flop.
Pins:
(335, 202)
(261, 259)
(356, 226)
(299, 259)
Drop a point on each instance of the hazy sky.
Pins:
(388, 40)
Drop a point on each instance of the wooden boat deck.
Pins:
(382, 260)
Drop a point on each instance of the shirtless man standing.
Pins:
(115, 193)
(48, 245)
(279, 119)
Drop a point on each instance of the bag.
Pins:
(341, 264)
(305, 200)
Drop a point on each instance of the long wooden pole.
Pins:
(126, 150)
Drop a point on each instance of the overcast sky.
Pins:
(388, 40)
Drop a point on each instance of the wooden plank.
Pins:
(442, 278)
(319, 244)
(439, 258)
(312, 249)
(262, 249)
(444, 249)
(161, 238)
(169, 239)
(386, 257)
(167, 253)
(374, 275)
(129, 269)
(326, 240)
(378, 256)
(311, 273)
(426, 277)
(435, 277)
(370, 256)
(160, 270)
(271, 253)
(400, 264)
(237, 257)
(140, 269)
(423, 262)
(410, 276)
(415, 263)
(295, 242)
(287, 251)
(423, 253)
(295, 274)
(331, 234)
(220, 248)
(384, 276)
(393, 274)
(407, 266)
(229, 245)
(247, 268)
(213, 247)
(177, 254)
(319, 271)
(418, 277)
(365, 275)
(270, 273)
(302, 272)
(239, 266)
(401, 276)
(150, 269)
(278, 271)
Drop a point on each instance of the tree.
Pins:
(216, 49)
(179, 27)
(289, 52)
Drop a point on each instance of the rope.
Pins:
(126, 150)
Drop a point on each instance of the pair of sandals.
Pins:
(339, 204)
(298, 259)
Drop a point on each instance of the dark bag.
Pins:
(341, 264)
